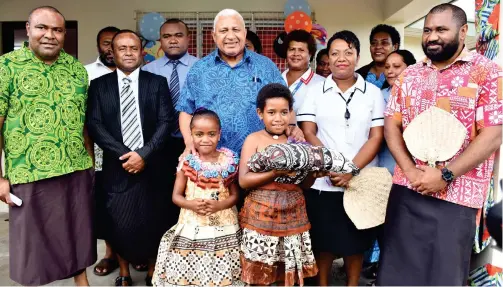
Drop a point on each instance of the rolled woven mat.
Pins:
(300, 158)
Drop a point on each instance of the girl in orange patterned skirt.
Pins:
(275, 247)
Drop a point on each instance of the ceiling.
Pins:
(415, 29)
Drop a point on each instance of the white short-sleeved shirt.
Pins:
(309, 78)
(326, 107)
(96, 70)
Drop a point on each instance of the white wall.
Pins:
(92, 15)
(413, 44)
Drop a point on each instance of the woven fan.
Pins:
(366, 198)
(434, 135)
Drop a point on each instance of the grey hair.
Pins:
(228, 12)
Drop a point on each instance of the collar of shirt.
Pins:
(133, 76)
(246, 57)
(305, 78)
(330, 84)
(184, 60)
(100, 63)
(30, 56)
(464, 56)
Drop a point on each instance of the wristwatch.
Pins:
(447, 175)
(356, 171)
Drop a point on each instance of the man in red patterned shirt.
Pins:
(430, 220)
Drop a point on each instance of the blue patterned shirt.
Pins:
(231, 92)
(385, 158)
(378, 82)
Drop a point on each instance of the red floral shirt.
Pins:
(470, 89)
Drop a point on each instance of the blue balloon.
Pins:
(297, 5)
(150, 25)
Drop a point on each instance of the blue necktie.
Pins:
(174, 89)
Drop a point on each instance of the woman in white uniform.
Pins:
(344, 113)
(300, 50)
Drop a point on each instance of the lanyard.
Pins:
(347, 115)
(299, 84)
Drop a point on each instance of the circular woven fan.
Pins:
(434, 135)
(366, 198)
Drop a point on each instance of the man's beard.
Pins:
(104, 59)
(447, 51)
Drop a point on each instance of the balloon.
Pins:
(279, 45)
(298, 20)
(154, 50)
(320, 34)
(150, 25)
(297, 5)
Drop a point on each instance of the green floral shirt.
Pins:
(44, 110)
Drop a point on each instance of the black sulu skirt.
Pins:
(331, 229)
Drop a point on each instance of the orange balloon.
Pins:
(298, 20)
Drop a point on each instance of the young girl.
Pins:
(203, 247)
(276, 245)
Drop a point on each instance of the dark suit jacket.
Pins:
(104, 125)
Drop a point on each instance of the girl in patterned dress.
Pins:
(276, 247)
(203, 247)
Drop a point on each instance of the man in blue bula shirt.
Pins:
(227, 81)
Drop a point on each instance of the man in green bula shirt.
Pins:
(43, 94)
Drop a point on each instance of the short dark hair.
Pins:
(458, 14)
(109, 29)
(390, 30)
(127, 31)
(205, 113)
(304, 37)
(250, 35)
(348, 37)
(271, 91)
(45, 7)
(175, 21)
(407, 56)
(320, 54)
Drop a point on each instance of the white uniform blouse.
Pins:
(325, 105)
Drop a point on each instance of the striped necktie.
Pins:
(131, 134)
(174, 89)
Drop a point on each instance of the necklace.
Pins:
(274, 136)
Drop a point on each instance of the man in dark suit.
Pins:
(130, 116)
